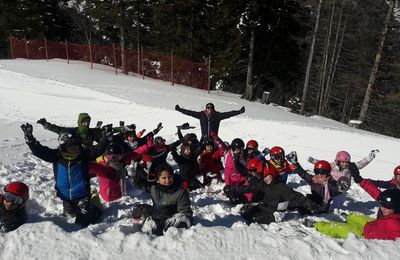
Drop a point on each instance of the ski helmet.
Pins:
(237, 143)
(396, 170)
(270, 170)
(209, 141)
(390, 199)
(255, 164)
(342, 156)
(19, 189)
(191, 137)
(277, 152)
(69, 137)
(322, 167)
(252, 144)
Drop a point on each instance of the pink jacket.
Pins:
(231, 174)
(386, 227)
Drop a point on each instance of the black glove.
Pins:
(266, 151)
(355, 173)
(42, 121)
(159, 126)
(177, 107)
(107, 131)
(292, 158)
(132, 127)
(242, 110)
(28, 129)
(343, 184)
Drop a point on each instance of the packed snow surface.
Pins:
(59, 91)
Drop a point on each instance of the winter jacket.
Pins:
(318, 190)
(156, 155)
(169, 200)
(235, 170)
(209, 122)
(385, 227)
(70, 175)
(109, 178)
(393, 183)
(211, 162)
(274, 194)
(88, 135)
(11, 219)
(284, 170)
(252, 189)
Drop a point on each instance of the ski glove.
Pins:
(266, 151)
(343, 184)
(312, 160)
(243, 109)
(42, 121)
(177, 107)
(371, 156)
(131, 169)
(28, 132)
(355, 173)
(108, 132)
(292, 157)
(179, 220)
(159, 126)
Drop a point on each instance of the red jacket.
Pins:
(385, 227)
(211, 162)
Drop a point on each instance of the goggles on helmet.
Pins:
(14, 199)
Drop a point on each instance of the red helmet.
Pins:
(322, 167)
(253, 144)
(277, 150)
(396, 170)
(18, 188)
(255, 163)
(270, 170)
(343, 156)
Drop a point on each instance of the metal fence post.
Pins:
(45, 48)
(26, 49)
(115, 60)
(66, 50)
(172, 67)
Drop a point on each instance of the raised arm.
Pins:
(51, 127)
(225, 115)
(188, 112)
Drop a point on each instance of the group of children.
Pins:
(257, 179)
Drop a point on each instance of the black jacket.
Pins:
(11, 219)
(168, 201)
(211, 122)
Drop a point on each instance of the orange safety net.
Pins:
(144, 63)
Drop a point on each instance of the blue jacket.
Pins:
(71, 176)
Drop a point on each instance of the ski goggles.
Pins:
(252, 170)
(114, 157)
(322, 172)
(277, 157)
(14, 199)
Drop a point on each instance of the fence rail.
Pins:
(163, 67)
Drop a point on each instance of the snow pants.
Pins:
(355, 223)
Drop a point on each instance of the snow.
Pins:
(59, 92)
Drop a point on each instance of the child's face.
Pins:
(343, 165)
(165, 178)
(187, 151)
(9, 205)
(320, 178)
(72, 148)
(131, 138)
(209, 148)
(386, 211)
(397, 177)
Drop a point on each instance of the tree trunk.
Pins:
(310, 58)
(325, 63)
(122, 44)
(249, 85)
(371, 82)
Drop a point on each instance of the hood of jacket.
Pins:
(82, 116)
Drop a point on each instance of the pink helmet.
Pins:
(343, 156)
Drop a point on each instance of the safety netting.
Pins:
(163, 67)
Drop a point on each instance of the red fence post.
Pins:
(172, 68)
(115, 60)
(45, 48)
(209, 73)
(66, 50)
(138, 59)
(26, 48)
(90, 54)
(142, 63)
(11, 48)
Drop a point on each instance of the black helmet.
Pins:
(390, 199)
(114, 148)
(209, 141)
(69, 136)
(191, 137)
(237, 143)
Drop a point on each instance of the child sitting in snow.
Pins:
(171, 204)
(210, 162)
(12, 206)
(393, 183)
(339, 170)
(277, 159)
(323, 187)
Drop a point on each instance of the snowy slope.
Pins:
(58, 92)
